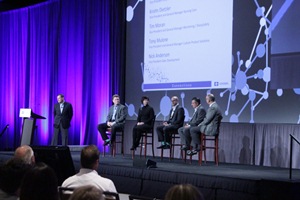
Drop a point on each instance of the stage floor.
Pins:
(226, 181)
(209, 169)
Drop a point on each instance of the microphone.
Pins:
(2, 132)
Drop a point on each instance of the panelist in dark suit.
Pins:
(210, 124)
(144, 120)
(115, 120)
(176, 120)
(63, 113)
(197, 118)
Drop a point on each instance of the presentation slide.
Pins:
(187, 44)
(193, 47)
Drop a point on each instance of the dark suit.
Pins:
(210, 124)
(120, 117)
(146, 115)
(175, 122)
(62, 122)
(197, 118)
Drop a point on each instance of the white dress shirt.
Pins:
(89, 177)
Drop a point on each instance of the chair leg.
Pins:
(204, 143)
(122, 144)
(141, 145)
(145, 147)
(200, 156)
(217, 151)
(201, 149)
(104, 149)
(172, 148)
(152, 144)
(182, 154)
(113, 149)
(191, 159)
(171, 152)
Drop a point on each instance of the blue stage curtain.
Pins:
(71, 47)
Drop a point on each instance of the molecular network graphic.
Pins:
(240, 78)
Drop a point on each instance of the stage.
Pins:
(226, 181)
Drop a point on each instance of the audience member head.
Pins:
(87, 192)
(195, 102)
(145, 100)
(184, 192)
(210, 98)
(39, 183)
(11, 175)
(89, 157)
(26, 154)
(174, 100)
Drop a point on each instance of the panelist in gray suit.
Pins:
(115, 120)
(197, 118)
(209, 126)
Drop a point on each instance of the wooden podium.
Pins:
(29, 121)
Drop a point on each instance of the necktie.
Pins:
(193, 115)
(61, 108)
(172, 113)
(114, 114)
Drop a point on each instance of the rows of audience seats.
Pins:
(21, 178)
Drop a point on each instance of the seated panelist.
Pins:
(175, 121)
(144, 120)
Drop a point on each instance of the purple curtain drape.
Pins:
(71, 47)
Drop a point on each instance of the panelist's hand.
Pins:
(110, 123)
(187, 125)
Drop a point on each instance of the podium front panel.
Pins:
(28, 127)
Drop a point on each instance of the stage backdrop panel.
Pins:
(60, 46)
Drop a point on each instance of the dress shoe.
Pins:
(184, 148)
(133, 148)
(106, 142)
(191, 152)
(161, 146)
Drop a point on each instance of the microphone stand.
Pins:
(2, 132)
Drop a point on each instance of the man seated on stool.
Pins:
(115, 120)
(144, 121)
(197, 118)
(209, 126)
(89, 160)
(176, 120)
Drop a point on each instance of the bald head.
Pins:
(26, 154)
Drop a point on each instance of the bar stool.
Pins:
(174, 136)
(204, 147)
(119, 140)
(145, 142)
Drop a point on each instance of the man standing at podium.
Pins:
(63, 113)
